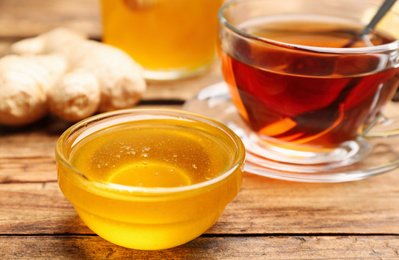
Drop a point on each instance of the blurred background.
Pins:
(25, 18)
(20, 19)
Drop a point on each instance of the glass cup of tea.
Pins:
(171, 39)
(309, 92)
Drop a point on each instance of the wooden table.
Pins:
(269, 219)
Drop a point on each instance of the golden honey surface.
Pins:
(148, 155)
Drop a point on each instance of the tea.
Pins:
(307, 97)
(163, 35)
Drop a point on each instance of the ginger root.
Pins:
(24, 83)
(96, 78)
(76, 96)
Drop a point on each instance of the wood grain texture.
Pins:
(263, 206)
(26, 18)
(272, 206)
(273, 247)
(25, 170)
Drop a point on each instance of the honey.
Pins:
(151, 154)
(149, 179)
(163, 35)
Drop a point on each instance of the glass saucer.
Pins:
(380, 154)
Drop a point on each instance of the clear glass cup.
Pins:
(171, 39)
(149, 178)
(308, 105)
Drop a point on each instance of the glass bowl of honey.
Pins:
(149, 178)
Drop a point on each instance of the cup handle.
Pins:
(382, 127)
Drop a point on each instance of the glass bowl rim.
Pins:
(324, 50)
(238, 161)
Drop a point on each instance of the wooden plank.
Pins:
(273, 206)
(34, 146)
(40, 169)
(32, 141)
(279, 247)
(22, 18)
(263, 206)
(37, 208)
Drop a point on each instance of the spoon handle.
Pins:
(377, 17)
(382, 10)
